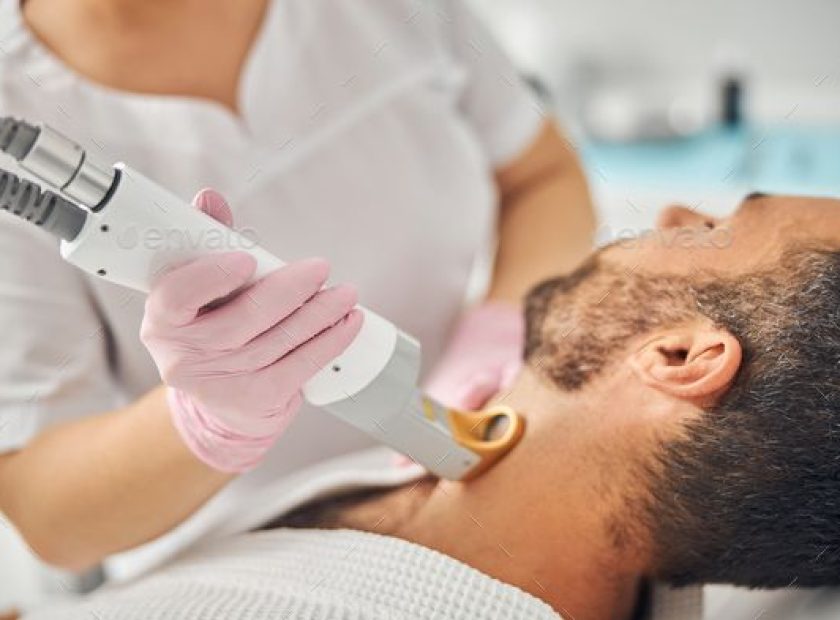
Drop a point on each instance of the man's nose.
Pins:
(680, 216)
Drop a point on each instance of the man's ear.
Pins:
(696, 362)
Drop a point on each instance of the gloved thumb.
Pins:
(480, 388)
(213, 204)
(510, 372)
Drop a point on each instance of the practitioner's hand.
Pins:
(235, 371)
(482, 359)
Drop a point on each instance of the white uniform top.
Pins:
(368, 133)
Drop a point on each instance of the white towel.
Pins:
(279, 574)
(309, 575)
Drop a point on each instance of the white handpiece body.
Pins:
(144, 230)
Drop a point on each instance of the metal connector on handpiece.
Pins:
(59, 161)
(64, 164)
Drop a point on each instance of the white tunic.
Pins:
(368, 134)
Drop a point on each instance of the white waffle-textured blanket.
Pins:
(309, 575)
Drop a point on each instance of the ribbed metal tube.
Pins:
(47, 210)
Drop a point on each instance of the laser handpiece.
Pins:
(121, 226)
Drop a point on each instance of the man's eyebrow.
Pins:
(749, 198)
(756, 196)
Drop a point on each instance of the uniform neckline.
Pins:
(238, 126)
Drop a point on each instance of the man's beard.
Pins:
(576, 323)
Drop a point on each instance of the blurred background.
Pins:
(678, 100)
(668, 100)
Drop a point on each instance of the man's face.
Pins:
(741, 485)
(752, 237)
(577, 322)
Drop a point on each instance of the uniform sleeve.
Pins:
(53, 361)
(501, 107)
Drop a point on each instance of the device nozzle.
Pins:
(45, 209)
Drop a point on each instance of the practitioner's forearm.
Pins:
(547, 221)
(86, 489)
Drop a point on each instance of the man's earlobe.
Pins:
(696, 362)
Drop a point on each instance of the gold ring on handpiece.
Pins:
(491, 433)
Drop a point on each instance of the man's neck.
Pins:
(542, 520)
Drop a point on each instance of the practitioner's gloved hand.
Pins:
(235, 371)
(483, 357)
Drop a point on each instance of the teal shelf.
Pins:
(784, 158)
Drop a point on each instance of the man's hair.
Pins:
(750, 493)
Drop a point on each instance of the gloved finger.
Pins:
(478, 390)
(510, 372)
(401, 460)
(283, 416)
(321, 312)
(294, 370)
(263, 305)
(179, 294)
(214, 204)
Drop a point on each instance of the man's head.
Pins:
(714, 347)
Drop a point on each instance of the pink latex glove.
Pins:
(482, 359)
(235, 372)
